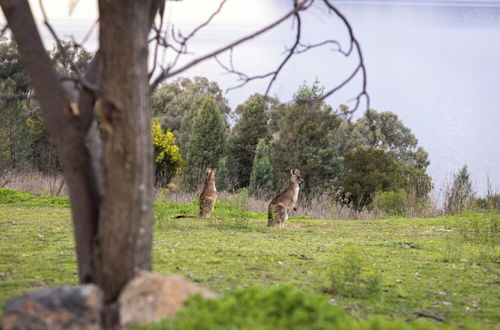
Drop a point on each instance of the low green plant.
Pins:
(352, 277)
(239, 203)
(281, 307)
(482, 228)
(12, 197)
(391, 202)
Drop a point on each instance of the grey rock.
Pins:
(55, 308)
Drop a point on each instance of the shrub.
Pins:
(369, 170)
(391, 202)
(351, 277)
(168, 159)
(489, 203)
(282, 307)
(479, 228)
(460, 196)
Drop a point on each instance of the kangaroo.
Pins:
(209, 194)
(279, 206)
(207, 198)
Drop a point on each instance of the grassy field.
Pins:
(448, 267)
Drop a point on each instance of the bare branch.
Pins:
(201, 26)
(168, 73)
(61, 48)
(273, 74)
(306, 48)
(353, 45)
(89, 32)
(158, 39)
(182, 49)
(290, 53)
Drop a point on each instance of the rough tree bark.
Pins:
(111, 196)
(124, 231)
(64, 127)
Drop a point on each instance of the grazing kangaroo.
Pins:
(279, 206)
(207, 198)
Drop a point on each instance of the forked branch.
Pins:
(298, 47)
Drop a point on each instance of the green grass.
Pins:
(447, 266)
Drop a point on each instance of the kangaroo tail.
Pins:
(184, 216)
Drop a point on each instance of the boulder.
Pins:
(56, 308)
(150, 297)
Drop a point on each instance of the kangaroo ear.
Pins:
(292, 171)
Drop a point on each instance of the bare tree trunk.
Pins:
(111, 198)
(124, 231)
(64, 128)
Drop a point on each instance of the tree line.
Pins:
(253, 146)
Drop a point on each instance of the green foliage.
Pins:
(417, 182)
(391, 202)
(14, 134)
(167, 157)
(384, 130)
(479, 228)
(24, 140)
(304, 140)
(11, 67)
(207, 143)
(351, 277)
(369, 170)
(74, 55)
(282, 307)
(224, 179)
(239, 203)
(175, 105)
(261, 178)
(245, 135)
(460, 196)
(489, 203)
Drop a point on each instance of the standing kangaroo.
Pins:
(279, 206)
(207, 198)
(209, 194)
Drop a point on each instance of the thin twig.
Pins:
(353, 45)
(87, 85)
(306, 48)
(89, 32)
(168, 73)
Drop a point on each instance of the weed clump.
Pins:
(352, 277)
(482, 228)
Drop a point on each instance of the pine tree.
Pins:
(207, 142)
(251, 127)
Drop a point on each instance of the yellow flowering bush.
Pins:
(167, 156)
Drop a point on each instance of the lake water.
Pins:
(434, 63)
